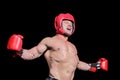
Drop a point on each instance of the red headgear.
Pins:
(59, 19)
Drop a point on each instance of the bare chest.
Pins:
(64, 52)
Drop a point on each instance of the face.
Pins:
(67, 26)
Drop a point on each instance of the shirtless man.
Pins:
(61, 55)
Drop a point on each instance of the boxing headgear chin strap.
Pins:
(59, 19)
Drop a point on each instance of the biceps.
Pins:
(41, 48)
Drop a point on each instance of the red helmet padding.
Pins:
(60, 18)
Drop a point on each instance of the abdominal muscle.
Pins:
(62, 72)
(62, 68)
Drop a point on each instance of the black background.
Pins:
(94, 35)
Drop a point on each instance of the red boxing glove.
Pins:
(15, 42)
(93, 69)
(101, 64)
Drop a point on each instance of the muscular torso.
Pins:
(62, 59)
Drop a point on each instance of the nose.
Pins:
(69, 26)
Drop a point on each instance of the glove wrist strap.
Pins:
(21, 51)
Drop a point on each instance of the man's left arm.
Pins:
(102, 63)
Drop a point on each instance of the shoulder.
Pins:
(46, 40)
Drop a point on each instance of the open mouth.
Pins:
(69, 29)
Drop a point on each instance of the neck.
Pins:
(62, 37)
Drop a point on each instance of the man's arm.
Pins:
(102, 63)
(83, 66)
(36, 51)
(15, 43)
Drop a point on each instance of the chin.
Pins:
(67, 34)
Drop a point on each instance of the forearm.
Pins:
(30, 54)
(83, 66)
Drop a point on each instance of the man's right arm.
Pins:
(15, 43)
